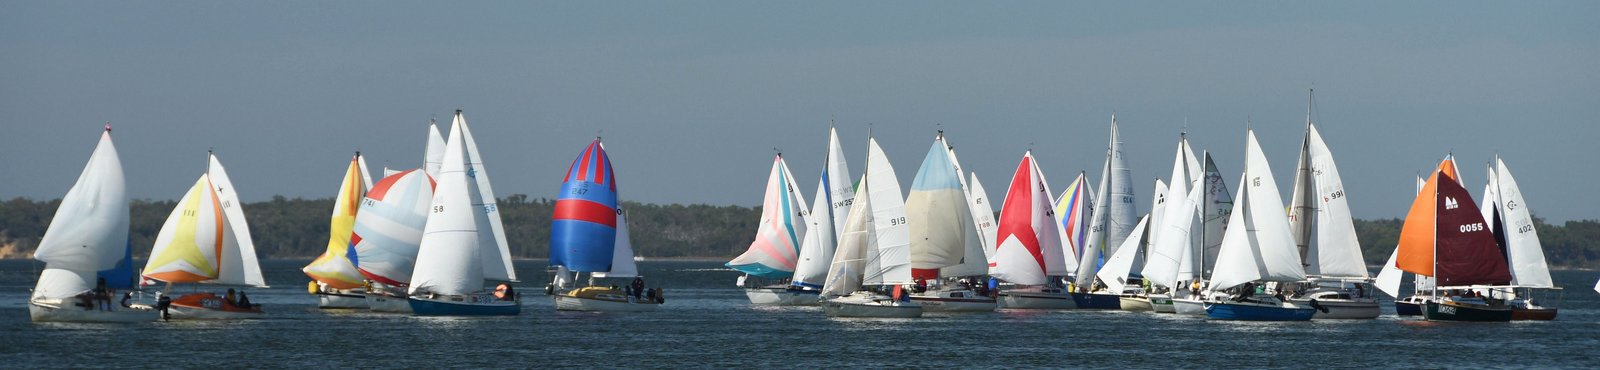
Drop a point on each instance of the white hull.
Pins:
(1341, 309)
(1033, 299)
(388, 304)
(48, 311)
(781, 297)
(1186, 306)
(1162, 303)
(870, 305)
(955, 300)
(351, 300)
(570, 303)
(1136, 304)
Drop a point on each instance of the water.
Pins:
(707, 322)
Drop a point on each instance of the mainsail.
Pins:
(826, 219)
(448, 260)
(1319, 205)
(1515, 228)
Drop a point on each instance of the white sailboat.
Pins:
(87, 244)
(1170, 264)
(1257, 248)
(206, 240)
(1216, 203)
(1030, 255)
(1136, 297)
(874, 249)
(945, 246)
(335, 281)
(1319, 215)
(835, 193)
(775, 252)
(1111, 222)
(1115, 274)
(1512, 222)
(451, 264)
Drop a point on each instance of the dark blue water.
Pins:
(708, 323)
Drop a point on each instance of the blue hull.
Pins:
(424, 307)
(1407, 309)
(1097, 301)
(1249, 312)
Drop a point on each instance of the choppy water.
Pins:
(707, 322)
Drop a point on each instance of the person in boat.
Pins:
(126, 297)
(244, 301)
(638, 287)
(1360, 291)
(162, 303)
(102, 295)
(86, 300)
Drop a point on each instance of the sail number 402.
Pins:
(1476, 226)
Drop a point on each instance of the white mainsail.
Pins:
(849, 263)
(938, 202)
(1115, 273)
(891, 235)
(240, 265)
(366, 176)
(835, 193)
(1319, 204)
(622, 263)
(89, 232)
(1168, 253)
(1158, 215)
(389, 226)
(1524, 253)
(448, 260)
(496, 253)
(1259, 245)
(983, 216)
(433, 152)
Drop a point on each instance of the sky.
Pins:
(693, 98)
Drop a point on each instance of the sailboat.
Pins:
(336, 282)
(1445, 237)
(1257, 249)
(1319, 215)
(1136, 296)
(776, 250)
(1115, 277)
(874, 249)
(1512, 223)
(1111, 222)
(1170, 264)
(457, 252)
(945, 246)
(833, 201)
(206, 240)
(86, 244)
(387, 235)
(1215, 205)
(588, 234)
(1030, 252)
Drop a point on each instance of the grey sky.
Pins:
(692, 96)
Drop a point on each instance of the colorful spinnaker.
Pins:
(388, 228)
(583, 229)
(776, 248)
(335, 268)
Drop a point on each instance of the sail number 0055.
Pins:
(1476, 226)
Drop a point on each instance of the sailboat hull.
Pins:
(61, 310)
(870, 305)
(353, 299)
(1340, 309)
(1448, 311)
(601, 299)
(1409, 306)
(1097, 301)
(463, 306)
(1036, 299)
(209, 306)
(954, 300)
(1188, 306)
(1162, 303)
(381, 302)
(1135, 303)
(1534, 314)
(1250, 311)
(782, 296)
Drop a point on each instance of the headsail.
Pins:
(889, 255)
(496, 252)
(1523, 250)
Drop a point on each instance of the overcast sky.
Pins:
(692, 97)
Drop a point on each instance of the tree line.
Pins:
(290, 228)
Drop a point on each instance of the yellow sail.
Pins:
(190, 241)
(334, 267)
